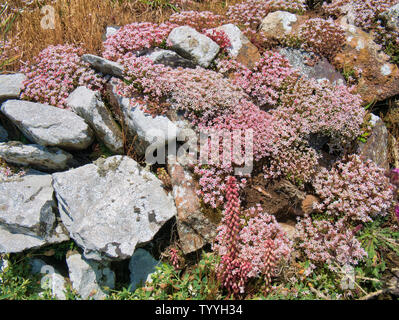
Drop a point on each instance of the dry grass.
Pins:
(83, 22)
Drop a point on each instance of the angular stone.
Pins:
(52, 279)
(378, 79)
(241, 48)
(35, 156)
(49, 126)
(149, 133)
(278, 24)
(111, 206)
(141, 266)
(27, 213)
(88, 277)
(103, 65)
(193, 45)
(88, 104)
(170, 58)
(111, 30)
(194, 228)
(392, 17)
(11, 85)
(376, 147)
(321, 70)
(3, 134)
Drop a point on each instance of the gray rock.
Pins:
(169, 58)
(150, 133)
(111, 206)
(88, 105)
(11, 85)
(27, 213)
(376, 147)
(103, 65)
(111, 30)
(392, 17)
(49, 126)
(3, 134)
(193, 45)
(35, 156)
(278, 24)
(321, 70)
(141, 266)
(89, 278)
(52, 279)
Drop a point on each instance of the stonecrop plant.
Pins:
(354, 190)
(55, 73)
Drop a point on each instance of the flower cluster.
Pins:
(354, 190)
(55, 73)
(134, 38)
(174, 258)
(198, 20)
(219, 36)
(323, 37)
(294, 6)
(9, 173)
(249, 13)
(264, 243)
(320, 108)
(264, 81)
(328, 242)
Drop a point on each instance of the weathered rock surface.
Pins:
(392, 17)
(88, 277)
(3, 134)
(111, 206)
(103, 65)
(52, 279)
(194, 228)
(35, 156)
(170, 58)
(141, 266)
(193, 45)
(49, 126)
(110, 30)
(27, 213)
(376, 147)
(149, 133)
(240, 47)
(88, 104)
(378, 79)
(11, 85)
(320, 70)
(278, 24)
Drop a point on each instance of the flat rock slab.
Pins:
(89, 278)
(111, 206)
(11, 85)
(88, 104)
(35, 156)
(170, 58)
(191, 44)
(103, 65)
(49, 126)
(141, 266)
(278, 24)
(27, 213)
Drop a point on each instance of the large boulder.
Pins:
(322, 69)
(112, 206)
(11, 85)
(35, 156)
(194, 228)
(191, 44)
(88, 104)
(89, 278)
(149, 133)
(49, 126)
(240, 47)
(103, 65)
(378, 79)
(28, 213)
(376, 146)
(141, 266)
